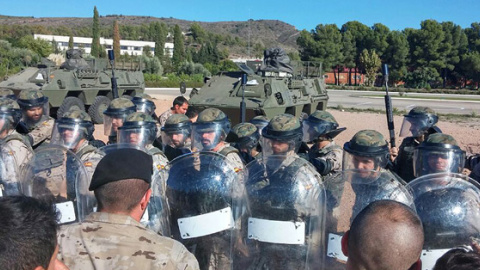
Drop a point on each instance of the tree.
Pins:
(161, 32)
(379, 39)
(198, 33)
(178, 47)
(116, 39)
(396, 55)
(362, 35)
(147, 51)
(70, 42)
(95, 52)
(471, 66)
(39, 46)
(454, 45)
(371, 62)
(349, 53)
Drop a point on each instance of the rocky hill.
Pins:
(270, 33)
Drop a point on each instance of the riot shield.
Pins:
(206, 202)
(55, 173)
(9, 173)
(156, 215)
(449, 206)
(285, 229)
(349, 192)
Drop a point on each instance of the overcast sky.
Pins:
(397, 15)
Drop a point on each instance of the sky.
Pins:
(397, 15)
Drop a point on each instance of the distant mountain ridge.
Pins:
(270, 33)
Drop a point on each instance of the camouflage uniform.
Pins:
(39, 131)
(214, 120)
(16, 150)
(423, 117)
(164, 116)
(110, 241)
(321, 127)
(118, 110)
(176, 125)
(81, 126)
(438, 153)
(246, 140)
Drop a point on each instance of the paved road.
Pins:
(445, 103)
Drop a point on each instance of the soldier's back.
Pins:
(109, 241)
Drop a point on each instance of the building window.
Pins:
(124, 47)
(137, 48)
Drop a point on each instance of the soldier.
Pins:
(36, 120)
(15, 148)
(246, 139)
(180, 106)
(438, 153)
(115, 115)
(260, 121)
(176, 136)
(320, 128)
(74, 130)
(417, 125)
(140, 129)
(472, 162)
(144, 103)
(364, 179)
(209, 133)
(447, 204)
(287, 202)
(113, 237)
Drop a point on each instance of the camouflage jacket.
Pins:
(164, 116)
(41, 132)
(232, 155)
(108, 241)
(332, 153)
(89, 157)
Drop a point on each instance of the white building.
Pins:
(131, 47)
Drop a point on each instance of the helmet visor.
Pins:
(68, 135)
(428, 161)
(111, 123)
(140, 136)
(34, 114)
(206, 136)
(279, 147)
(414, 126)
(176, 138)
(357, 162)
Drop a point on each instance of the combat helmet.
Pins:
(211, 120)
(369, 145)
(418, 121)
(177, 130)
(260, 121)
(116, 113)
(139, 129)
(29, 99)
(320, 124)
(144, 103)
(246, 136)
(284, 128)
(11, 114)
(7, 93)
(438, 153)
(72, 127)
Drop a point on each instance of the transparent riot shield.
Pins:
(449, 206)
(349, 192)
(156, 215)
(55, 173)
(285, 228)
(206, 202)
(9, 174)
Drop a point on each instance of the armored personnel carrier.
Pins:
(272, 87)
(79, 83)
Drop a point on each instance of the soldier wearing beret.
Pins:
(113, 237)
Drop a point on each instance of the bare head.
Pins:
(385, 235)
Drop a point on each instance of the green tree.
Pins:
(147, 51)
(371, 62)
(198, 33)
(38, 46)
(70, 42)
(95, 52)
(116, 39)
(161, 32)
(473, 36)
(349, 53)
(454, 45)
(396, 55)
(362, 35)
(379, 39)
(178, 47)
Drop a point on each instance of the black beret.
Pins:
(122, 164)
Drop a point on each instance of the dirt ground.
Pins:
(466, 132)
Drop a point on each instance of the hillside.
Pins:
(270, 33)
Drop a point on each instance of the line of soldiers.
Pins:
(254, 196)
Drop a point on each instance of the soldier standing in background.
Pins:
(320, 128)
(209, 133)
(115, 115)
(417, 125)
(246, 139)
(180, 106)
(176, 136)
(36, 120)
(15, 149)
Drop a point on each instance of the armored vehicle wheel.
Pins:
(96, 110)
(70, 103)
